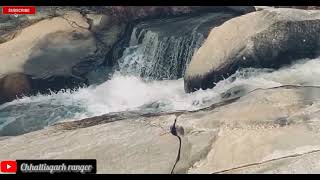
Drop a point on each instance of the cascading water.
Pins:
(154, 54)
(162, 49)
(123, 93)
(159, 59)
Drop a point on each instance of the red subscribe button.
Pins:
(18, 10)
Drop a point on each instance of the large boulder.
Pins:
(268, 38)
(53, 53)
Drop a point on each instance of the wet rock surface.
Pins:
(264, 131)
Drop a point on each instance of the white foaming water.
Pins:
(123, 93)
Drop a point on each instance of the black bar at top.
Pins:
(160, 2)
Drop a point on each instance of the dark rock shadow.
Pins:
(61, 60)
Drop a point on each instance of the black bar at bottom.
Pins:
(58, 166)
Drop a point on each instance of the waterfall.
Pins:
(157, 58)
(162, 49)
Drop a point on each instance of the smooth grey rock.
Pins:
(268, 38)
(53, 58)
(242, 136)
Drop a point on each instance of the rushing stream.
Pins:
(123, 93)
(147, 78)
